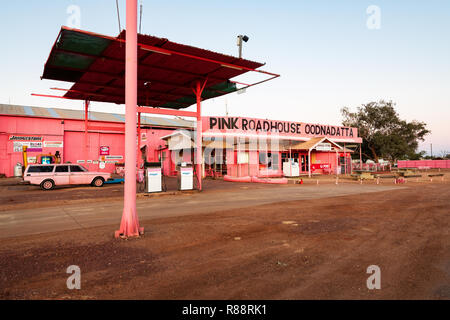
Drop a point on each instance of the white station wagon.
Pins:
(49, 175)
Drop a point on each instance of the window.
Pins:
(40, 169)
(62, 169)
(263, 158)
(270, 159)
(273, 161)
(76, 169)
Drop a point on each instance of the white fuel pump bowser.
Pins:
(185, 177)
(291, 168)
(154, 178)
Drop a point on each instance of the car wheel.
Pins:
(98, 182)
(47, 184)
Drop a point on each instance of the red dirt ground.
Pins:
(321, 251)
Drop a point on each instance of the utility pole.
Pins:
(431, 150)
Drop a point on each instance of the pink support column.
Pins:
(360, 156)
(198, 93)
(309, 163)
(139, 154)
(129, 226)
(345, 161)
(86, 144)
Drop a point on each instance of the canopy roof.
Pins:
(167, 71)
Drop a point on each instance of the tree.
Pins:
(384, 134)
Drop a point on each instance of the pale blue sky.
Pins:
(326, 55)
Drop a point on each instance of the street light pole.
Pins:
(241, 38)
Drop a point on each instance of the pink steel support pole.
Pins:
(86, 147)
(198, 93)
(360, 156)
(139, 160)
(309, 163)
(345, 161)
(129, 226)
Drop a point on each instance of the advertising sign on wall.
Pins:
(31, 146)
(316, 166)
(33, 143)
(114, 157)
(53, 144)
(104, 150)
(25, 138)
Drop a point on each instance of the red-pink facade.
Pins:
(106, 145)
(67, 137)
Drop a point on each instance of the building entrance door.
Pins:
(304, 162)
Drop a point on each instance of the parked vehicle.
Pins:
(50, 175)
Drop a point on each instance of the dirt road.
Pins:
(78, 213)
(302, 249)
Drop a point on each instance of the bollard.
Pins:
(317, 181)
(378, 180)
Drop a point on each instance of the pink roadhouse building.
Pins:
(233, 146)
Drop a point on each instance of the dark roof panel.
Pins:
(96, 63)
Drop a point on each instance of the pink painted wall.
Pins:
(23, 126)
(71, 133)
(443, 164)
(325, 157)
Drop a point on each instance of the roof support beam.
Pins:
(91, 95)
(106, 86)
(143, 80)
(169, 112)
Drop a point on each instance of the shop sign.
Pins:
(316, 166)
(104, 150)
(113, 157)
(262, 126)
(323, 146)
(53, 144)
(31, 146)
(25, 138)
(32, 159)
